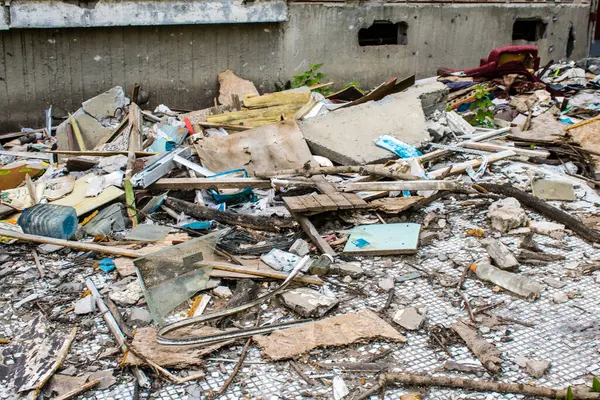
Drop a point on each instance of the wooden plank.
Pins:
(341, 201)
(276, 99)
(294, 205)
(495, 148)
(99, 153)
(326, 203)
(314, 235)
(210, 183)
(402, 185)
(259, 272)
(323, 185)
(356, 201)
(310, 203)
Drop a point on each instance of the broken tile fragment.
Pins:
(554, 230)
(351, 269)
(85, 305)
(308, 302)
(502, 256)
(127, 296)
(537, 368)
(410, 318)
(222, 292)
(300, 247)
(506, 214)
(386, 284)
(560, 297)
(140, 316)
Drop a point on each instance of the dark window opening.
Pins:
(530, 30)
(571, 42)
(383, 33)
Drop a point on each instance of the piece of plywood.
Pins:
(84, 205)
(271, 147)
(276, 99)
(384, 239)
(334, 331)
(178, 357)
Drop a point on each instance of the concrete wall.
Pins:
(178, 64)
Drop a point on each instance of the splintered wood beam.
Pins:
(402, 185)
(210, 183)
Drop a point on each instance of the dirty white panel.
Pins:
(59, 14)
(3, 18)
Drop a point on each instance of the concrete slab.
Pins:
(347, 136)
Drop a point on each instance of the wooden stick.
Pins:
(79, 390)
(376, 169)
(403, 185)
(14, 135)
(99, 153)
(210, 183)
(201, 212)
(222, 266)
(231, 127)
(486, 352)
(496, 147)
(479, 386)
(434, 155)
(71, 244)
(314, 235)
(77, 133)
(462, 167)
(60, 358)
(38, 265)
(582, 123)
(27, 154)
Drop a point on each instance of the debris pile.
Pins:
(418, 239)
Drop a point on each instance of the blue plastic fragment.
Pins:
(360, 243)
(397, 147)
(107, 265)
(199, 225)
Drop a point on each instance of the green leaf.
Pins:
(314, 67)
(595, 385)
(569, 395)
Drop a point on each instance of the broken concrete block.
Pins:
(105, 377)
(127, 296)
(308, 302)
(231, 84)
(399, 115)
(102, 107)
(222, 292)
(386, 284)
(140, 316)
(537, 368)
(300, 247)
(85, 305)
(560, 297)
(48, 248)
(506, 214)
(410, 318)
(347, 279)
(554, 230)
(501, 255)
(556, 284)
(433, 96)
(351, 269)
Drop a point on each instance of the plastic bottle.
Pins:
(515, 283)
(50, 220)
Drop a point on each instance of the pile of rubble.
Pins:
(435, 238)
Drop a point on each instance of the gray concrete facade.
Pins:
(178, 64)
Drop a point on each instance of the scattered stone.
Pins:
(4, 257)
(521, 361)
(347, 279)
(410, 318)
(48, 248)
(442, 223)
(471, 242)
(501, 255)
(222, 292)
(556, 231)
(340, 390)
(537, 368)
(484, 329)
(560, 297)
(428, 237)
(140, 316)
(70, 371)
(85, 305)
(386, 284)
(231, 84)
(212, 283)
(556, 284)
(300, 247)
(308, 302)
(127, 296)
(506, 214)
(351, 269)
(442, 257)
